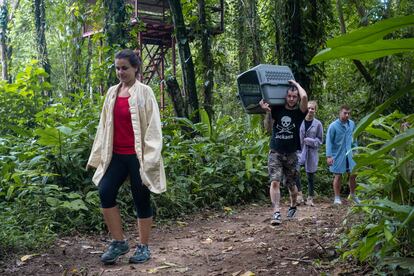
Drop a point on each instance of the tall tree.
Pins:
(186, 59)
(206, 59)
(294, 35)
(241, 35)
(357, 63)
(178, 101)
(116, 23)
(76, 10)
(277, 20)
(9, 47)
(303, 32)
(3, 38)
(254, 27)
(87, 83)
(40, 26)
(116, 30)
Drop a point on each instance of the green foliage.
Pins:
(385, 235)
(386, 167)
(371, 33)
(373, 50)
(23, 98)
(43, 148)
(222, 163)
(225, 164)
(364, 122)
(44, 142)
(366, 43)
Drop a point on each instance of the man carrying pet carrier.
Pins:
(284, 142)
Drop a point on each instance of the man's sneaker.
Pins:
(116, 249)
(291, 212)
(276, 219)
(337, 201)
(354, 198)
(141, 255)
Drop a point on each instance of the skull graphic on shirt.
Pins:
(286, 126)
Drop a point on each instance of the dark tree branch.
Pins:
(186, 59)
(206, 60)
(179, 104)
(361, 68)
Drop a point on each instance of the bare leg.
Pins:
(293, 191)
(112, 219)
(144, 229)
(275, 195)
(337, 185)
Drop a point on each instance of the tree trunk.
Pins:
(75, 51)
(3, 39)
(278, 34)
(361, 68)
(295, 57)
(254, 23)
(179, 104)
(186, 59)
(278, 45)
(9, 51)
(206, 60)
(87, 84)
(361, 12)
(241, 35)
(116, 30)
(116, 23)
(341, 16)
(40, 26)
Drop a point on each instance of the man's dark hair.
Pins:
(131, 56)
(345, 106)
(292, 88)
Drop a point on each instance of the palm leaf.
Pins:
(395, 142)
(371, 33)
(373, 50)
(366, 43)
(364, 122)
(406, 263)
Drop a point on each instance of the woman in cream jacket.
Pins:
(128, 142)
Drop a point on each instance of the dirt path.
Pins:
(232, 242)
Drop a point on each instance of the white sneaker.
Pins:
(337, 201)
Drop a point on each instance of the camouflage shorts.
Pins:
(283, 165)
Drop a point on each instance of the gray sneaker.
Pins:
(141, 255)
(115, 249)
(276, 219)
(291, 212)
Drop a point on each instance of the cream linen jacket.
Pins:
(146, 124)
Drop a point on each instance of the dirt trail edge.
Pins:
(232, 242)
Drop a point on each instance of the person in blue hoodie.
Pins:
(339, 144)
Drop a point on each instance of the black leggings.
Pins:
(311, 187)
(120, 167)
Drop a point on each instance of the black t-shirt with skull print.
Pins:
(285, 131)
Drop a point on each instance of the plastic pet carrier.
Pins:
(265, 81)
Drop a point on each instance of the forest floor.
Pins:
(237, 241)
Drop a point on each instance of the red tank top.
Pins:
(124, 142)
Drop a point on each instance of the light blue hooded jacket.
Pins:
(339, 143)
